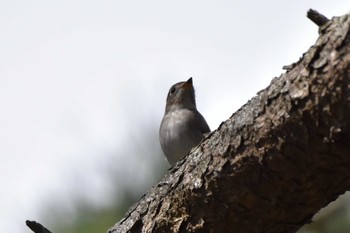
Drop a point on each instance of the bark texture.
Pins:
(271, 166)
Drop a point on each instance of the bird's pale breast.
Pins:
(179, 133)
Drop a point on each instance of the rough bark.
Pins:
(271, 166)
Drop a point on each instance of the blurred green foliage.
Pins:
(335, 218)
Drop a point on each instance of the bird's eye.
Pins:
(172, 90)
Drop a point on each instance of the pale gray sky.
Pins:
(79, 80)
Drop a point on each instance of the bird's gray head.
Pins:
(181, 95)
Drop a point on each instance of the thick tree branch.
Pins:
(273, 164)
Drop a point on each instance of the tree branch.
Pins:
(271, 166)
(37, 227)
(317, 18)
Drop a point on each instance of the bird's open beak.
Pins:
(188, 83)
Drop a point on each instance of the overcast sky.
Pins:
(82, 82)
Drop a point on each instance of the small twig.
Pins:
(317, 18)
(37, 227)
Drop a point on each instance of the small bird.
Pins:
(182, 127)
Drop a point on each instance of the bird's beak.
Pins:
(188, 83)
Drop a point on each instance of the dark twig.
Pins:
(317, 18)
(37, 227)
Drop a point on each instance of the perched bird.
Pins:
(182, 127)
